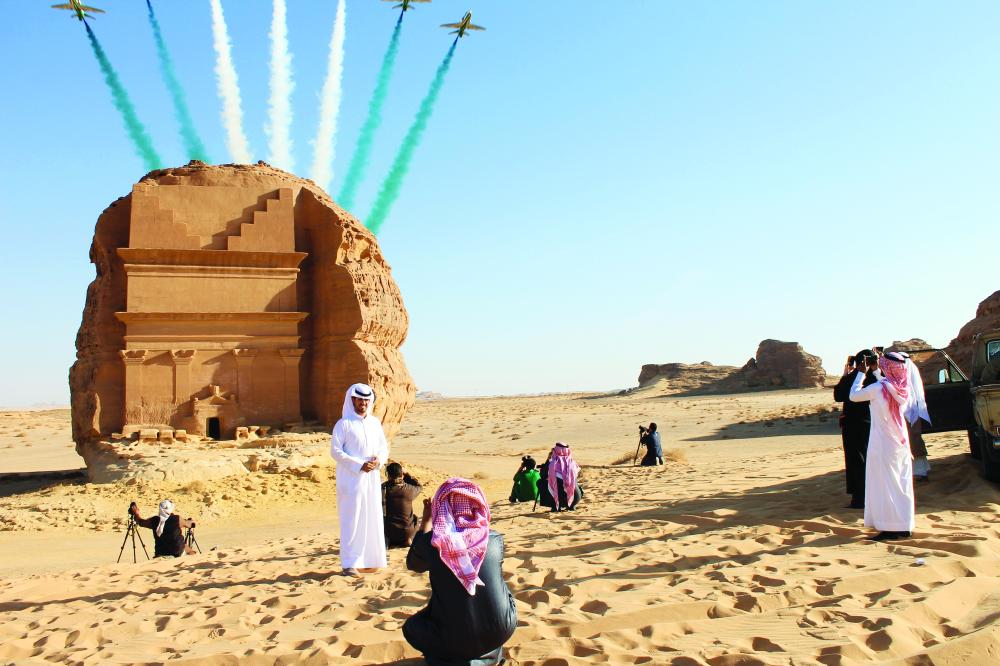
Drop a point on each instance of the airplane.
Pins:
(405, 4)
(82, 10)
(463, 25)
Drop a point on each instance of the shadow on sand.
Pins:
(19, 483)
(819, 423)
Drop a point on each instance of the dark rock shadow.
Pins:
(819, 423)
(21, 483)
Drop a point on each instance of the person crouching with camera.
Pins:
(398, 495)
(167, 529)
(649, 438)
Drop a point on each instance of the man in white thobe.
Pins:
(889, 499)
(359, 446)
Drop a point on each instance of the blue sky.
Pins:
(602, 184)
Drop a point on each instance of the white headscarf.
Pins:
(916, 403)
(358, 391)
(166, 509)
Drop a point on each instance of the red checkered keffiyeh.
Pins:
(561, 464)
(461, 529)
(896, 389)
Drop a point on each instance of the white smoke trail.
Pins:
(229, 88)
(329, 107)
(280, 116)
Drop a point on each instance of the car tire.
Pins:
(974, 449)
(990, 469)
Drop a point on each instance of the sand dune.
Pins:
(741, 555)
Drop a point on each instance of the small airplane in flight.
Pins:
(82, 10)
(463, 25)
(405, 4)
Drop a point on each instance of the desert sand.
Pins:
(737, 551)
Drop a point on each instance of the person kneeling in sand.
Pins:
(398, 494)
(561, 478)
(525, 488)
(471, 613)
(650, 438)
(166, 525)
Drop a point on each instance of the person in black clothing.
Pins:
(471, 612)
(855, 422)
(544, 496)
(167, 530)
(398, 494)
(654, 450)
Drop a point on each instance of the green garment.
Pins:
(525, 486)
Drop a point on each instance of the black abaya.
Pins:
(854, 433)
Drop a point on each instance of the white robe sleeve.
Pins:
(337, 448)
(383, 447)
(863, 393)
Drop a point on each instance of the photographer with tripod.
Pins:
(168, 537)
(649, 438)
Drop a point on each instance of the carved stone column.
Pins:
(292, 358)
(133, 359)
(182, 374)
(244, 380)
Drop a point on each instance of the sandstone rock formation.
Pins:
(228, 298)
(677, 377)
(782, 365)
(908, 345)
(987, 319)
(777, 365)
(929, 364)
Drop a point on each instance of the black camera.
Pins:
(643, 430)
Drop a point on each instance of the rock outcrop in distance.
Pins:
(782, 365)
(929, 364)
(987, 319)
(232, 301)
(777, 365)
(680, 377)
(908, 345)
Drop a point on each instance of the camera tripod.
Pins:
(189, 539)
(132, 531)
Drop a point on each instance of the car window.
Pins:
(955, 375)
(936, 368)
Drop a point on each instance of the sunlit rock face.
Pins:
(233, 299)
(987, 319)
(777, 365)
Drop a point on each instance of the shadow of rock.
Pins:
(819, 423)
(29, 482)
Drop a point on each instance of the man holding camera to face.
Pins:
(649, 438)
(855, 423)
(398, 495)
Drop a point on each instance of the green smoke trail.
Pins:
(401, 165)
(359, 161)
(192, 142)
(136, 132)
